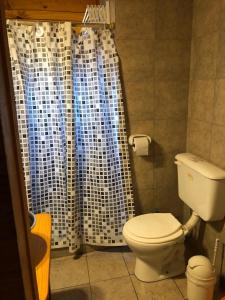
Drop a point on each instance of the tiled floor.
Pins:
(108, 276)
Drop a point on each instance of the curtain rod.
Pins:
(74, 24)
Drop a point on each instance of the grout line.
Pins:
(62, 257)
(215, 99)
(69, 287)
(88, 275)
(126, 264)
(134, 287)
(130, 276)
(122, 276)
(87, 268)
(178, 289)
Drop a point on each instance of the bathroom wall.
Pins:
(153, 40)
(206, 113)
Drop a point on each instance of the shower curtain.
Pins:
(72, 131)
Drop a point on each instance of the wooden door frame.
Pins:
(14, 165)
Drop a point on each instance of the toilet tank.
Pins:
(201, 185)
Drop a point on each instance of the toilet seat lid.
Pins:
(153, 225)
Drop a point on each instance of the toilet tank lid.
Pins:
(201, 166)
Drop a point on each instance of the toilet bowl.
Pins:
(157, 240)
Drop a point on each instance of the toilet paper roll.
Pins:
(141, 145)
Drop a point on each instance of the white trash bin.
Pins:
(201, 278)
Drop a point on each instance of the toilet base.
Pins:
(172, 264)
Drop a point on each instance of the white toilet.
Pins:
(157, 239)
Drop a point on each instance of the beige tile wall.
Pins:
(206, 113)
(153, 41)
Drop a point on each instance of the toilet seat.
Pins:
(153, 228)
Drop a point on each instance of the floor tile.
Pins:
(61, 252)
(113, 289)
(160, 290)
(81, 292)
(181, 283)
(130, 261)
(105, 265)
(67, 272)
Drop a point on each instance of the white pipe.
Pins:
(215, 251)
(107, 10)
(191, 223)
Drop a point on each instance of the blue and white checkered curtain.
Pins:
(72, 131)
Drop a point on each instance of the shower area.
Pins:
(72, 130)
(80, 90)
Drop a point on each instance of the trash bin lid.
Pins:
(200, 266)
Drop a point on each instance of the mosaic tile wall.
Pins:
(72, 131)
